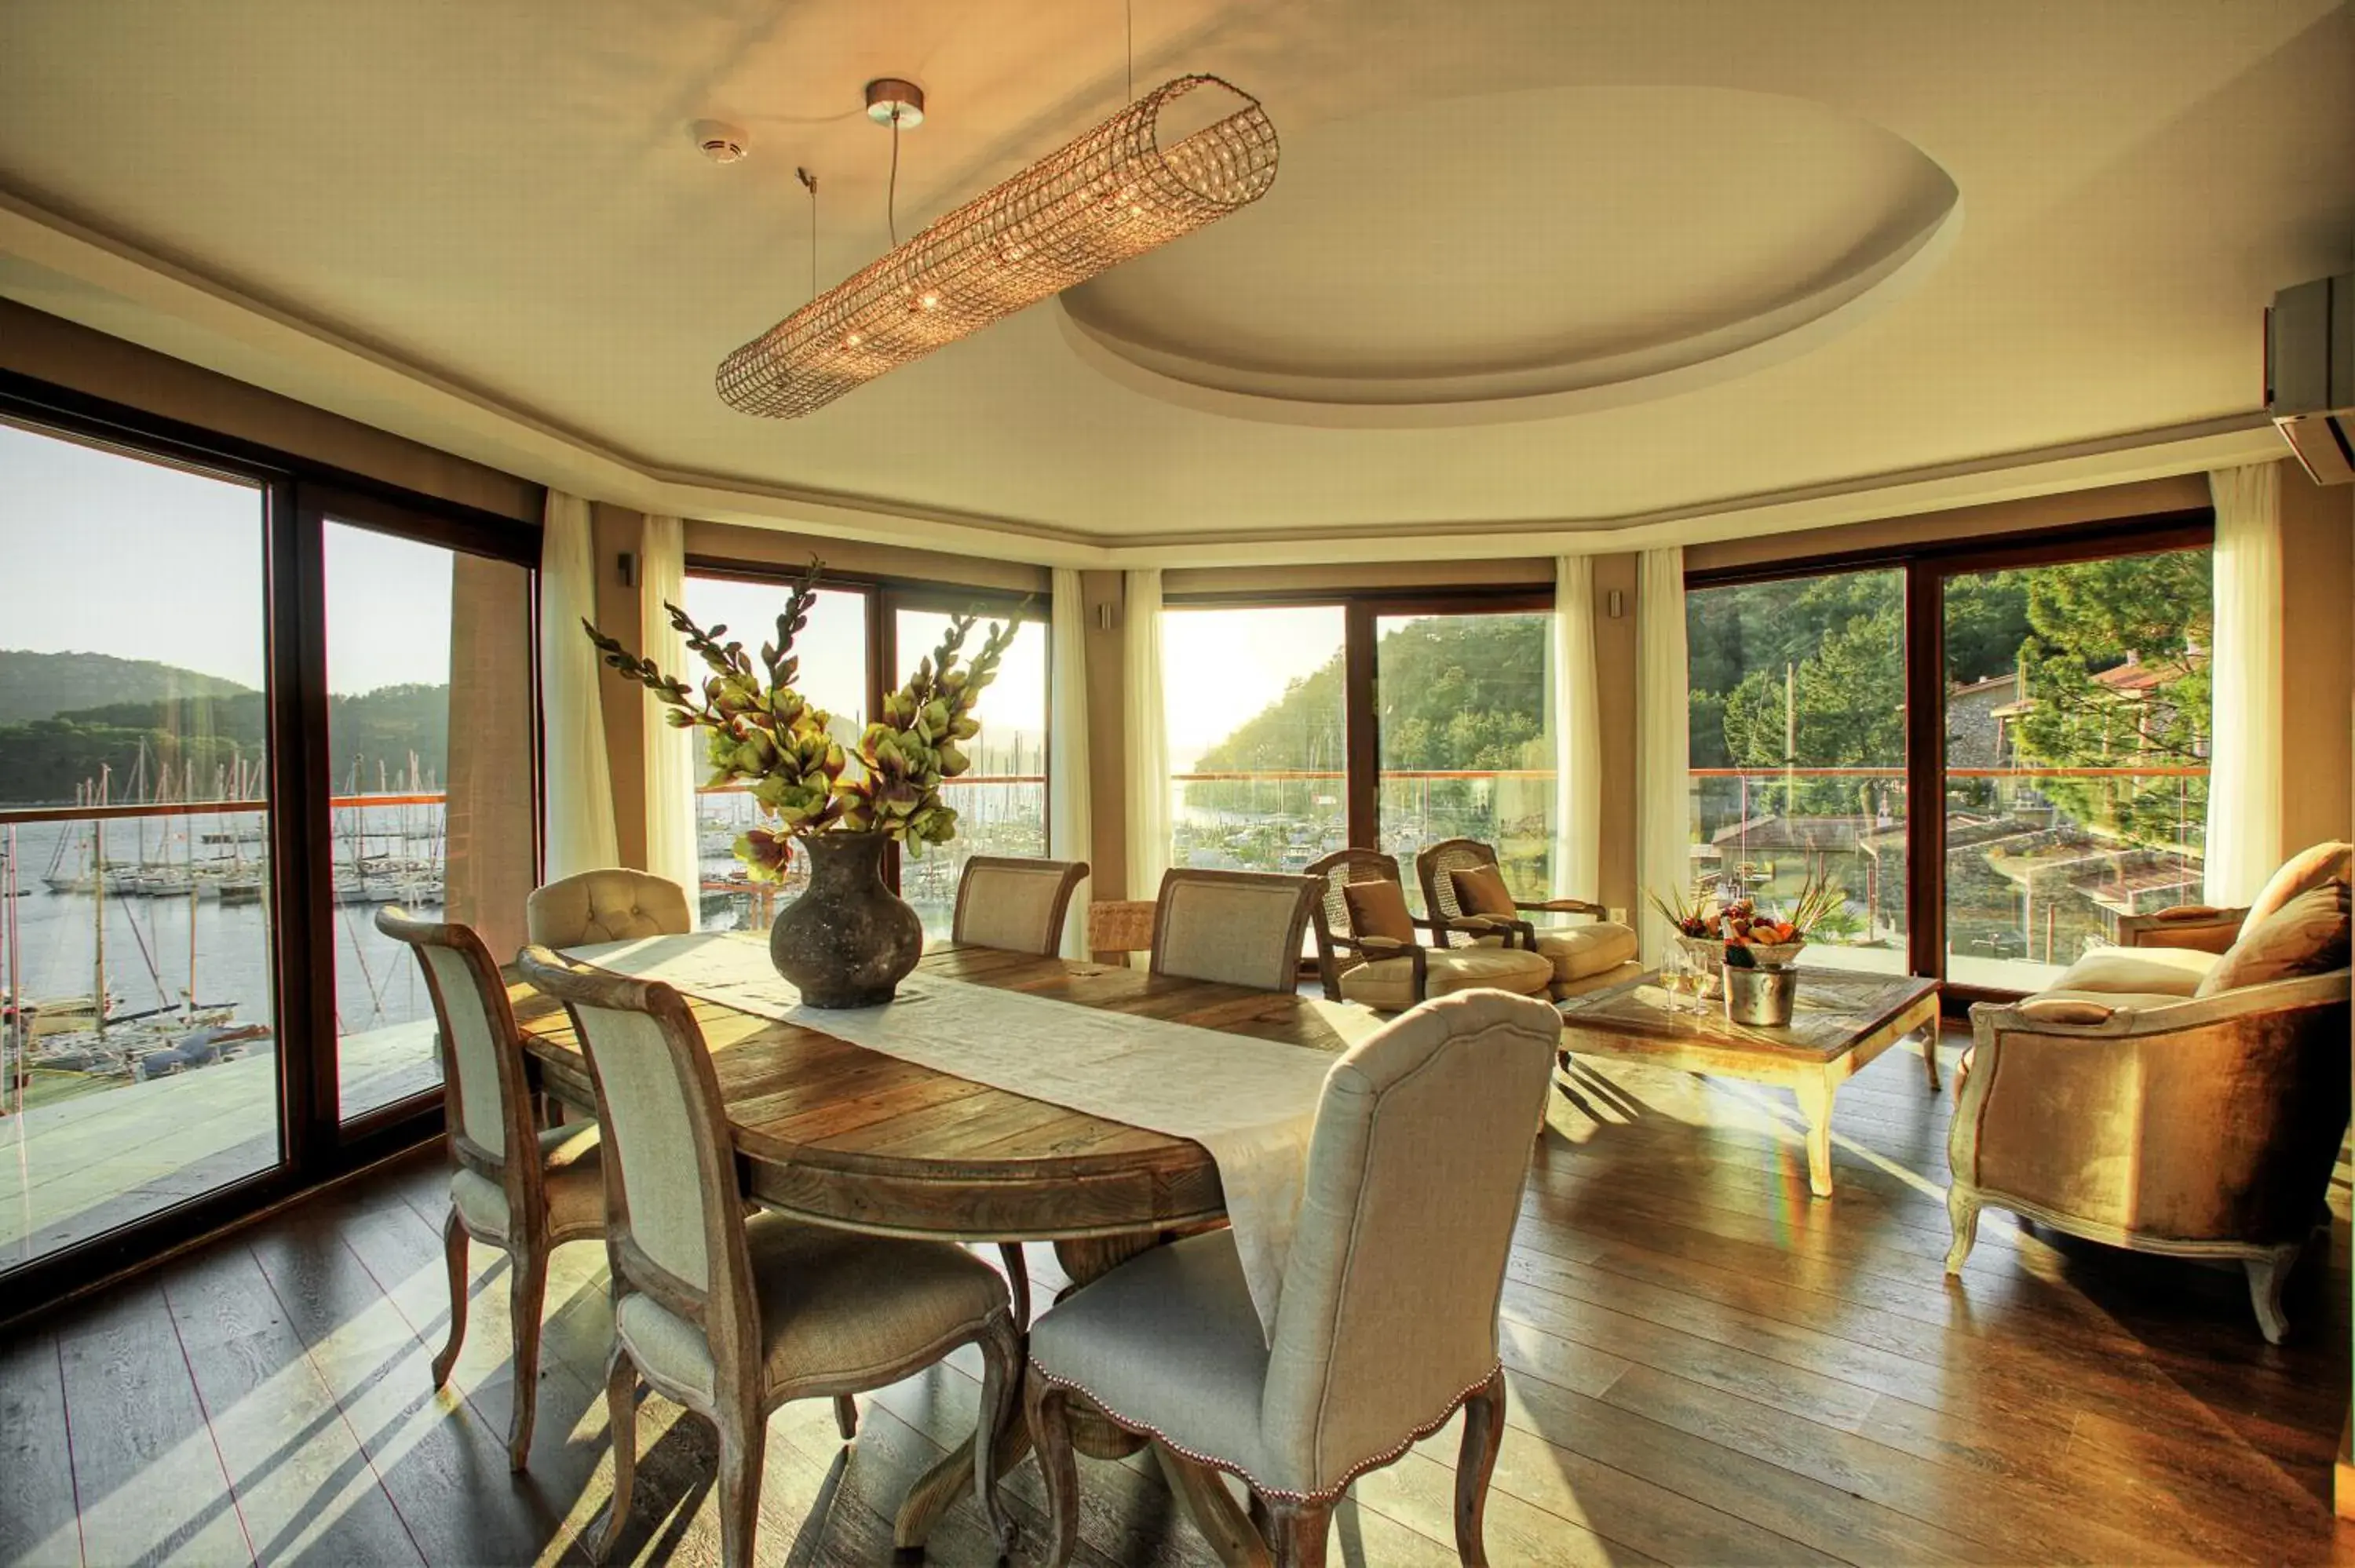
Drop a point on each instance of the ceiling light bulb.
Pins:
(931, 301)
(852, 341)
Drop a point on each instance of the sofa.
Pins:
(2183, 1092)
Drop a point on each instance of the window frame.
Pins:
(314, 1146)
(1924, 569)
(886, 595)
(1360, 702)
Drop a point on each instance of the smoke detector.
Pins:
(720, 142)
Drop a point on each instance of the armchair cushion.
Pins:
(1387, 985)
(2307, 935)
(2082, 1007)
(1580, 953)
(1377, 908)
(1480, 890)
(2173, 971)
(2302, 872)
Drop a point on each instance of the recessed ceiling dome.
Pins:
(1527, 255)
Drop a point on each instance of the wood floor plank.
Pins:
(302, 1480)
(148, 1478)
(37, 1524)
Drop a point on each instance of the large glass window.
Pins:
(1798, 751)
(430, 747)
(1256, 721)
(1001, 802)
(832, 648)
(138, 1034)
(2077, 730)
(1466, 735)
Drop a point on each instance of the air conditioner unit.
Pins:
(2310, 375)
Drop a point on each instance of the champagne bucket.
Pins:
(1760, 998)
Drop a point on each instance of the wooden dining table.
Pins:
(843, 1135)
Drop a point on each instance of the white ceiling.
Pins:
(482, 225)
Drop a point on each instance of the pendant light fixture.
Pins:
(1114, 192)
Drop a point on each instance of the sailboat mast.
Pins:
(98, 903)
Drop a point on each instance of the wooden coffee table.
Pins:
(1840, 1021)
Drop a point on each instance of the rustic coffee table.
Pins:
(1840, 1021)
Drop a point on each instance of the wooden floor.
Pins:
(1706, 1366)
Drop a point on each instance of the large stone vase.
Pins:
(848, 940)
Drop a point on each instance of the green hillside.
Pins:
(40, 686)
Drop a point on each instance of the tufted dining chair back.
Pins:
(1406, 1216)
(612, 905)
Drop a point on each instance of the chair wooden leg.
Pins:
(1484, 1434)
(1046, 1410)
(1298, 1530)
(1001, 1397)
(1963, 1214)
(454, 1252)
(845, 1416)
(744, 1449)
(1018, 1281)
(2267, 1276)
(527, 1285)
(622, 1428)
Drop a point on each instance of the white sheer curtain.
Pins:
(1070, 827)
(1663, 783)
(2244, 781)
(578, 812)
(1577, 734)
(670, 753)
(1148, 741)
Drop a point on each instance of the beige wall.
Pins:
(616, 531)
(1107, 738)
(1614, 674)
(2319, 657)
(75, 358)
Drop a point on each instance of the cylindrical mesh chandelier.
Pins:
(1112, 193)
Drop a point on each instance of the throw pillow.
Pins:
(1377, 908)
(1480, 890)
(2302, 872)
(2308, 936)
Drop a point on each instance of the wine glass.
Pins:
(1676, 975)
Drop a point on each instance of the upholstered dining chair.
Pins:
(1007, 901)
(1119, 926)
(1387, 1319)
(1464, 889)
(524, 1190)
(1238, 927)
(1367, 952)
(732, 1316)
(610, 905)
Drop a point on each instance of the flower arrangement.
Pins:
(764, 733)
(1749, 937)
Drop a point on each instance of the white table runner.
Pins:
(1251, 1103)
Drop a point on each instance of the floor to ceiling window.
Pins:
(2049, 693)
(1798, 748)
(430, 720)
(2077, 727)
(1255, 704)
(138, 1041)
(1001, 801)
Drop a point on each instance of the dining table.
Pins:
(836, 1134)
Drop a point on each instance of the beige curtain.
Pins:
(1577, 734)
(670, 753)
(1148, 741)
(2244, 780)
(1663, 776)
(488, 867)
(578, 800)
(1071, 825)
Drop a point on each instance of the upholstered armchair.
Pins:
(1367, 952)
(2169, 1097)
(1464, 888)
(613, 904)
